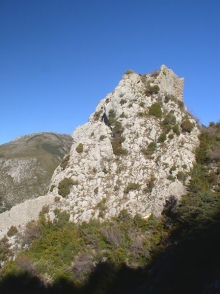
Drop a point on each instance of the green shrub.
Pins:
(124, 216)
(176, 130)
(101, 214)
(214, 153)
(5, 251)
(162, 138)
(167, 98)
(155, 110)
(155, 73)
(152, 147)
(96, 190)
(140, 222)
(79, 148)
(97, 115)
(111, 117)
(173, 168)
(141, 114)
(12, 231)
(152, 90)
(171, 178)
(45, 209)
(117, 146)
(186, 126)
(52, 187)
(150, 185)
(142, 104)
(65, 161)
(181, 176)
(104, 169)
(101, 205)
(102, 137)
(123, 101)
(117, 130)
(131, 187)
(129, 71)
(57, 199)
(116, 188)
(212, 124)
(64, 187)
(33, 230)
(123, 115)
(181, 104)
(62, 217)
(206, 143)
(117, 140)
(212, 178)
(169, 119)
(170, 136)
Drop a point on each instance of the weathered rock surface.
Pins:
(134, 162)
(136, 180)
(27, 164)
(21, 214)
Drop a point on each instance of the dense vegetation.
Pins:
(178, 253)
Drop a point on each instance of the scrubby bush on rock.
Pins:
(186, 126)
(12, 231)
(79, 148)
(64, 186)
(131, 187)
(155, 110)
(152, 90)
(65, 161)
(162, 138)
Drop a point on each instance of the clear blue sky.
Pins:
(59, 58)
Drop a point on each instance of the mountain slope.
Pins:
(27, 164)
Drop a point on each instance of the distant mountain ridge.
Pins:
(27, 164)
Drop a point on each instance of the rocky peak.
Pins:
(133, 153)
(134, 86)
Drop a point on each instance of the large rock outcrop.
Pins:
(133, 153)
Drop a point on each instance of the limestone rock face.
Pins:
(21, 214)
(133, 152)
(170, 83)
